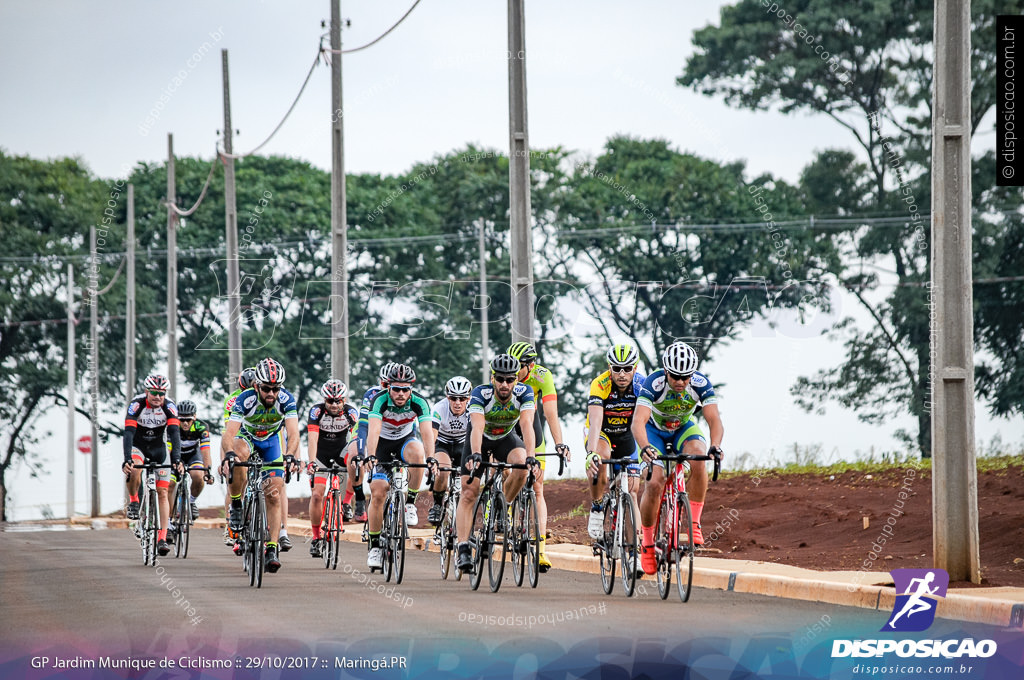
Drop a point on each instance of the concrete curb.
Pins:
(990, 610)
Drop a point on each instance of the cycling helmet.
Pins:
(269, 372)
(401, 373)
(458, 387)
(622, 355)
(187, 409)
(333, 389)
(523, 351)
(246, 378)
(679, 358)
(385, 370)
(156, 382)
(505, 364)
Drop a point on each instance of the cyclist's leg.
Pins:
(412, 452)
(135, 478)
(440, 483)
(318, 485)
(272, 453)
(604, 450)
(692, 441)
(511, 450)
(243, 449)
(470, 492)
(655, 485)
(355, 473)
(380, 486)
(158, 455)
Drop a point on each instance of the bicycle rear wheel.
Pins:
(478, 540)
(532, 538)
(627, 544)
(606, 546)
(400, 531)
(184, 520)
(663, 543)
(684, 554)
(497, 533)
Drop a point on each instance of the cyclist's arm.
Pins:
(595, 416)
(312, 436)
(641, 414)
(291, 428)
(204, 448)
(174, 435)
(476, 432)
(714, 420)
(227, 440)
(373, 436)
(128, 439)
(551, 415)
(427, 433)
(527, 417)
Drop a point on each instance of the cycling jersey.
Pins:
(398, 422)
(364, 416)
(671, 410)
(259, 422)
(194, 442)
(144, 427)
(228, 404)
(542, 382)
(333, 431)
(451, 429)
(618, 406)
(500, 419)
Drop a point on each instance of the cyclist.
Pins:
(610, 409)
(494, 412)
(451, 422)
(663, 418)
(195, 454)
(328, 429)
(394, 414)
(546, 399)
(148, 416)
(245, 381)
(264, 414)
(355, 471)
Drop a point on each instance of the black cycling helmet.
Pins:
(187, 409)
(402, 374)
(246, 378)
(504, 364)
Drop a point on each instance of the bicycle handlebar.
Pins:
(561, 460)
(680, 457)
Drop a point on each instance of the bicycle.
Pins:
(524, 537)
(618, 541)
(332, 524)
(181, 508)
(148, 525)
(254, 533)
(483, 538)
(394, 530)
(669, 545)
(445, 536)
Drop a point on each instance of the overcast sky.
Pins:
(107, 82)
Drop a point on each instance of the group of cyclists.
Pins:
(629, 415)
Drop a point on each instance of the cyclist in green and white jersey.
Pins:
(245, 381)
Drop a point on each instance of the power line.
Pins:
(378, 38)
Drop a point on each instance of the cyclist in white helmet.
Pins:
(450, 418)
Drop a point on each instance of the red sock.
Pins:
(134, 499)
(161, 535)
(348, 496)
(696, 508)
(316, 531)
(647, 535)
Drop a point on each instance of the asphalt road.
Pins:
(86, 594)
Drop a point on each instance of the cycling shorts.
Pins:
(670, 443)
(271, 450)
(154, 454)
(387, 451)
(497, 449)
(452, 448)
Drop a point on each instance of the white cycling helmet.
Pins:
(679, 358)
(458, 387)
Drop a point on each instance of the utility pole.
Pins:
(71, 390)
(94, 362)
(339, 227)
(231, 235)
(484, 303)
(172, 275)
(129, 313)
(519, 178)
(954, 469)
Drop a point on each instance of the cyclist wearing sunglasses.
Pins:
(394, 414)
(149, 415)
(355, 472)
(494, 412)
(664, 417)
(545, 397)
(195, 453)
(611, 403)
(245, 381)
(330, 424)
(451, 423)
(261, 417)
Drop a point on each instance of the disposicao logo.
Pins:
(914, 610)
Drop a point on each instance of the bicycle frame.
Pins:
(148, 524)
(332, 522)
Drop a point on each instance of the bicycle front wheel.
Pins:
(334, 539)
(444, 534)
(184, 522)
(627, 544)
(664, 543)
(517, 541)
(325, 534)
(386, 545)
(684, 554)
(606, 547)
(152, 531)
(400, 531)
(478, 541)
(532, 538)
(498, 532)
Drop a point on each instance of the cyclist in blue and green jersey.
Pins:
(610, 407)
(245, 380)
(358, 446)
(494, 412)
(394, 415)
(265, 415)
(545, 397)
(663, 420)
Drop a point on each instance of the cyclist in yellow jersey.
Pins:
(542, 382)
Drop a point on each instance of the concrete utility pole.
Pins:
(71, 390)
(339, 226)
(231, 234)
(129, 312)
(519, 178)
(484, 302)
(954, 472)
(172, 275)
(94, 361)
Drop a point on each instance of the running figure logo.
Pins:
(914, 610)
